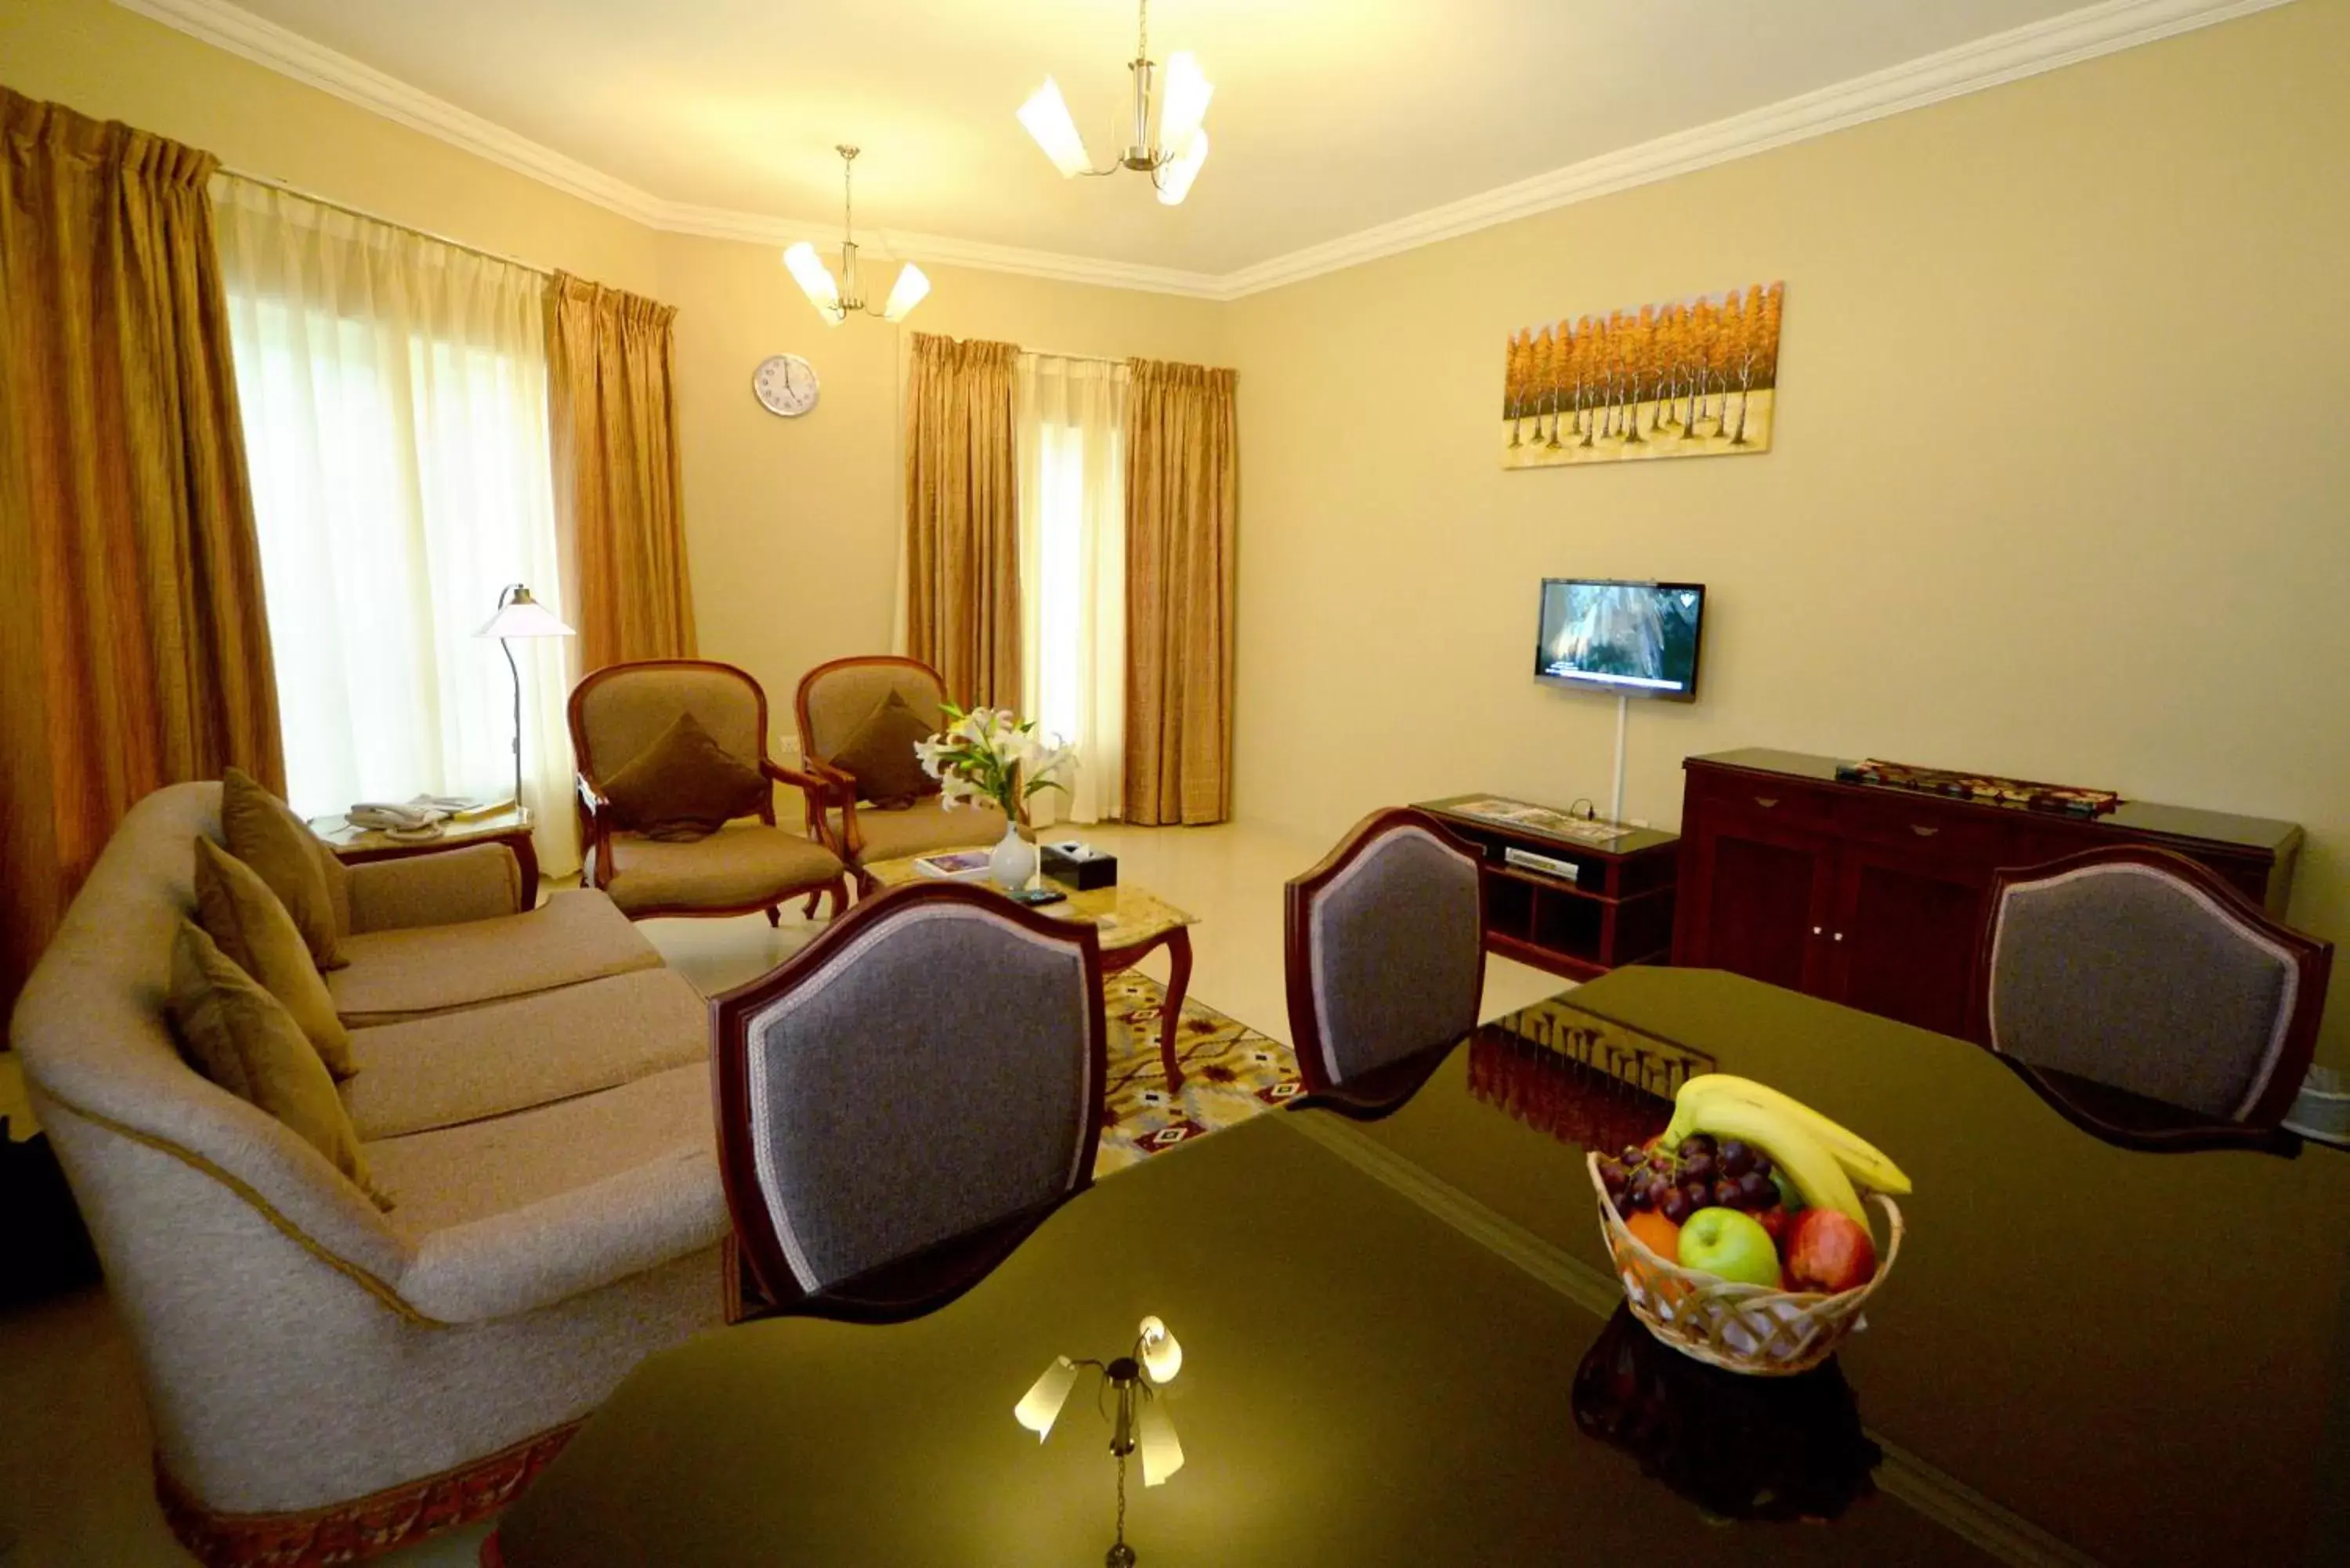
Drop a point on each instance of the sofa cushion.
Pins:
(402, 975)
(243, 1039)
(926, 825)
(452, 1176)
(458, 1067)
(685, 785)
(881, 754)
(240, 913)
(263, 831)
(742, 866)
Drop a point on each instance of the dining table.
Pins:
(1404, 1343)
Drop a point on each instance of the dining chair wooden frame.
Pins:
(759, 1281)
(596, 824)
(2136, 1121)
(1383, 1090)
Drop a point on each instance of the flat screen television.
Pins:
(1639, 639)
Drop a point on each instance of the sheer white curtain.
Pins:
(393, 391)
(1072, 416)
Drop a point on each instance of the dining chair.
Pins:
(836, 702)
(903, 1101)
(638, 713)
(1386, 960)
(2142, 971)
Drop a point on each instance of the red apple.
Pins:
(1828, 1251)
(1776, 1220)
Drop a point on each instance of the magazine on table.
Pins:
(955, 865)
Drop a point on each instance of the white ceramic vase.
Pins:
(1012, 863)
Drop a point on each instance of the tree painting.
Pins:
(1695, 378)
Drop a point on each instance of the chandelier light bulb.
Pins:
(1162, 1455)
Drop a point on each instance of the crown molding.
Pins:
(2099, 29)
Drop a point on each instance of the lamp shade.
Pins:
(1047, 115)
(1186, 104)
(906, 293)
(1162, 1455)
(1162, 1356)
(1041, 1406)
(523, 616)
(1174, 180)
(809, 272)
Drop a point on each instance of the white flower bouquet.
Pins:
(987, 754)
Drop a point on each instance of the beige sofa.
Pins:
(533, 1095)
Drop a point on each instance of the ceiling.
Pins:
(1330, 117)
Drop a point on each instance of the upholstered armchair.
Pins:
(677, 799)
(837, 703)
(1386, 960)
(2135, 970)
(861, 1184)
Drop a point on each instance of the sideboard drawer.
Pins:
(1930, 826)
(1754, 799)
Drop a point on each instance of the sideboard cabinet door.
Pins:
(1764, 896)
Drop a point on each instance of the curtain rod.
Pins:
(1088, 359)
(293, 190)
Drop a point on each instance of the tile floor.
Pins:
(75, 1484)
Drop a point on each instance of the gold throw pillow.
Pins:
(685, 785)
(881, 755)
(263, 831)
(241, 1038)
(238, 911)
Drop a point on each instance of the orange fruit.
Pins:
(1657, 1233)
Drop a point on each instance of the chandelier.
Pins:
(1139, 1425)
(1172, 159)
(835, 301)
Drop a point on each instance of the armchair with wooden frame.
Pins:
(620, 711)
(2149, 1002)
(834, 701)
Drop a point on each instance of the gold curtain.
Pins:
(619, 500)
(134, 647)
(1182, 509)
(962, 517)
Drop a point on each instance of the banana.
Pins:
(1861, 1160)
(1806, 1161)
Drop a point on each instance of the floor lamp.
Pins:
(519, 615)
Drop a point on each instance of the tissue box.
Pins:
(1079, 866)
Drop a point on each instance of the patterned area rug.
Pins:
(1231, 1072)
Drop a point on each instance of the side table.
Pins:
(511, 827)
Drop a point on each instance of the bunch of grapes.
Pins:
(1701, 1174)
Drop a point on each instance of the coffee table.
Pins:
(1131, 923)
(355, 846)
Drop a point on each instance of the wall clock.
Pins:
(786, 384)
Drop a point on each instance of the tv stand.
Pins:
(1593, 907)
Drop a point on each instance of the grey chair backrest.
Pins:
(1385, 950)
(2140, 969)
(928, 1072)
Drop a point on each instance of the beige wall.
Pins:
(2061, 488)
(794, 523)
(106, 61)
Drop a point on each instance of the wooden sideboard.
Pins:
(1875, 897)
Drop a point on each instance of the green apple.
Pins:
(1733, 1245)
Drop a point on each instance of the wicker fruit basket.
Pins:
(1744, 1328)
